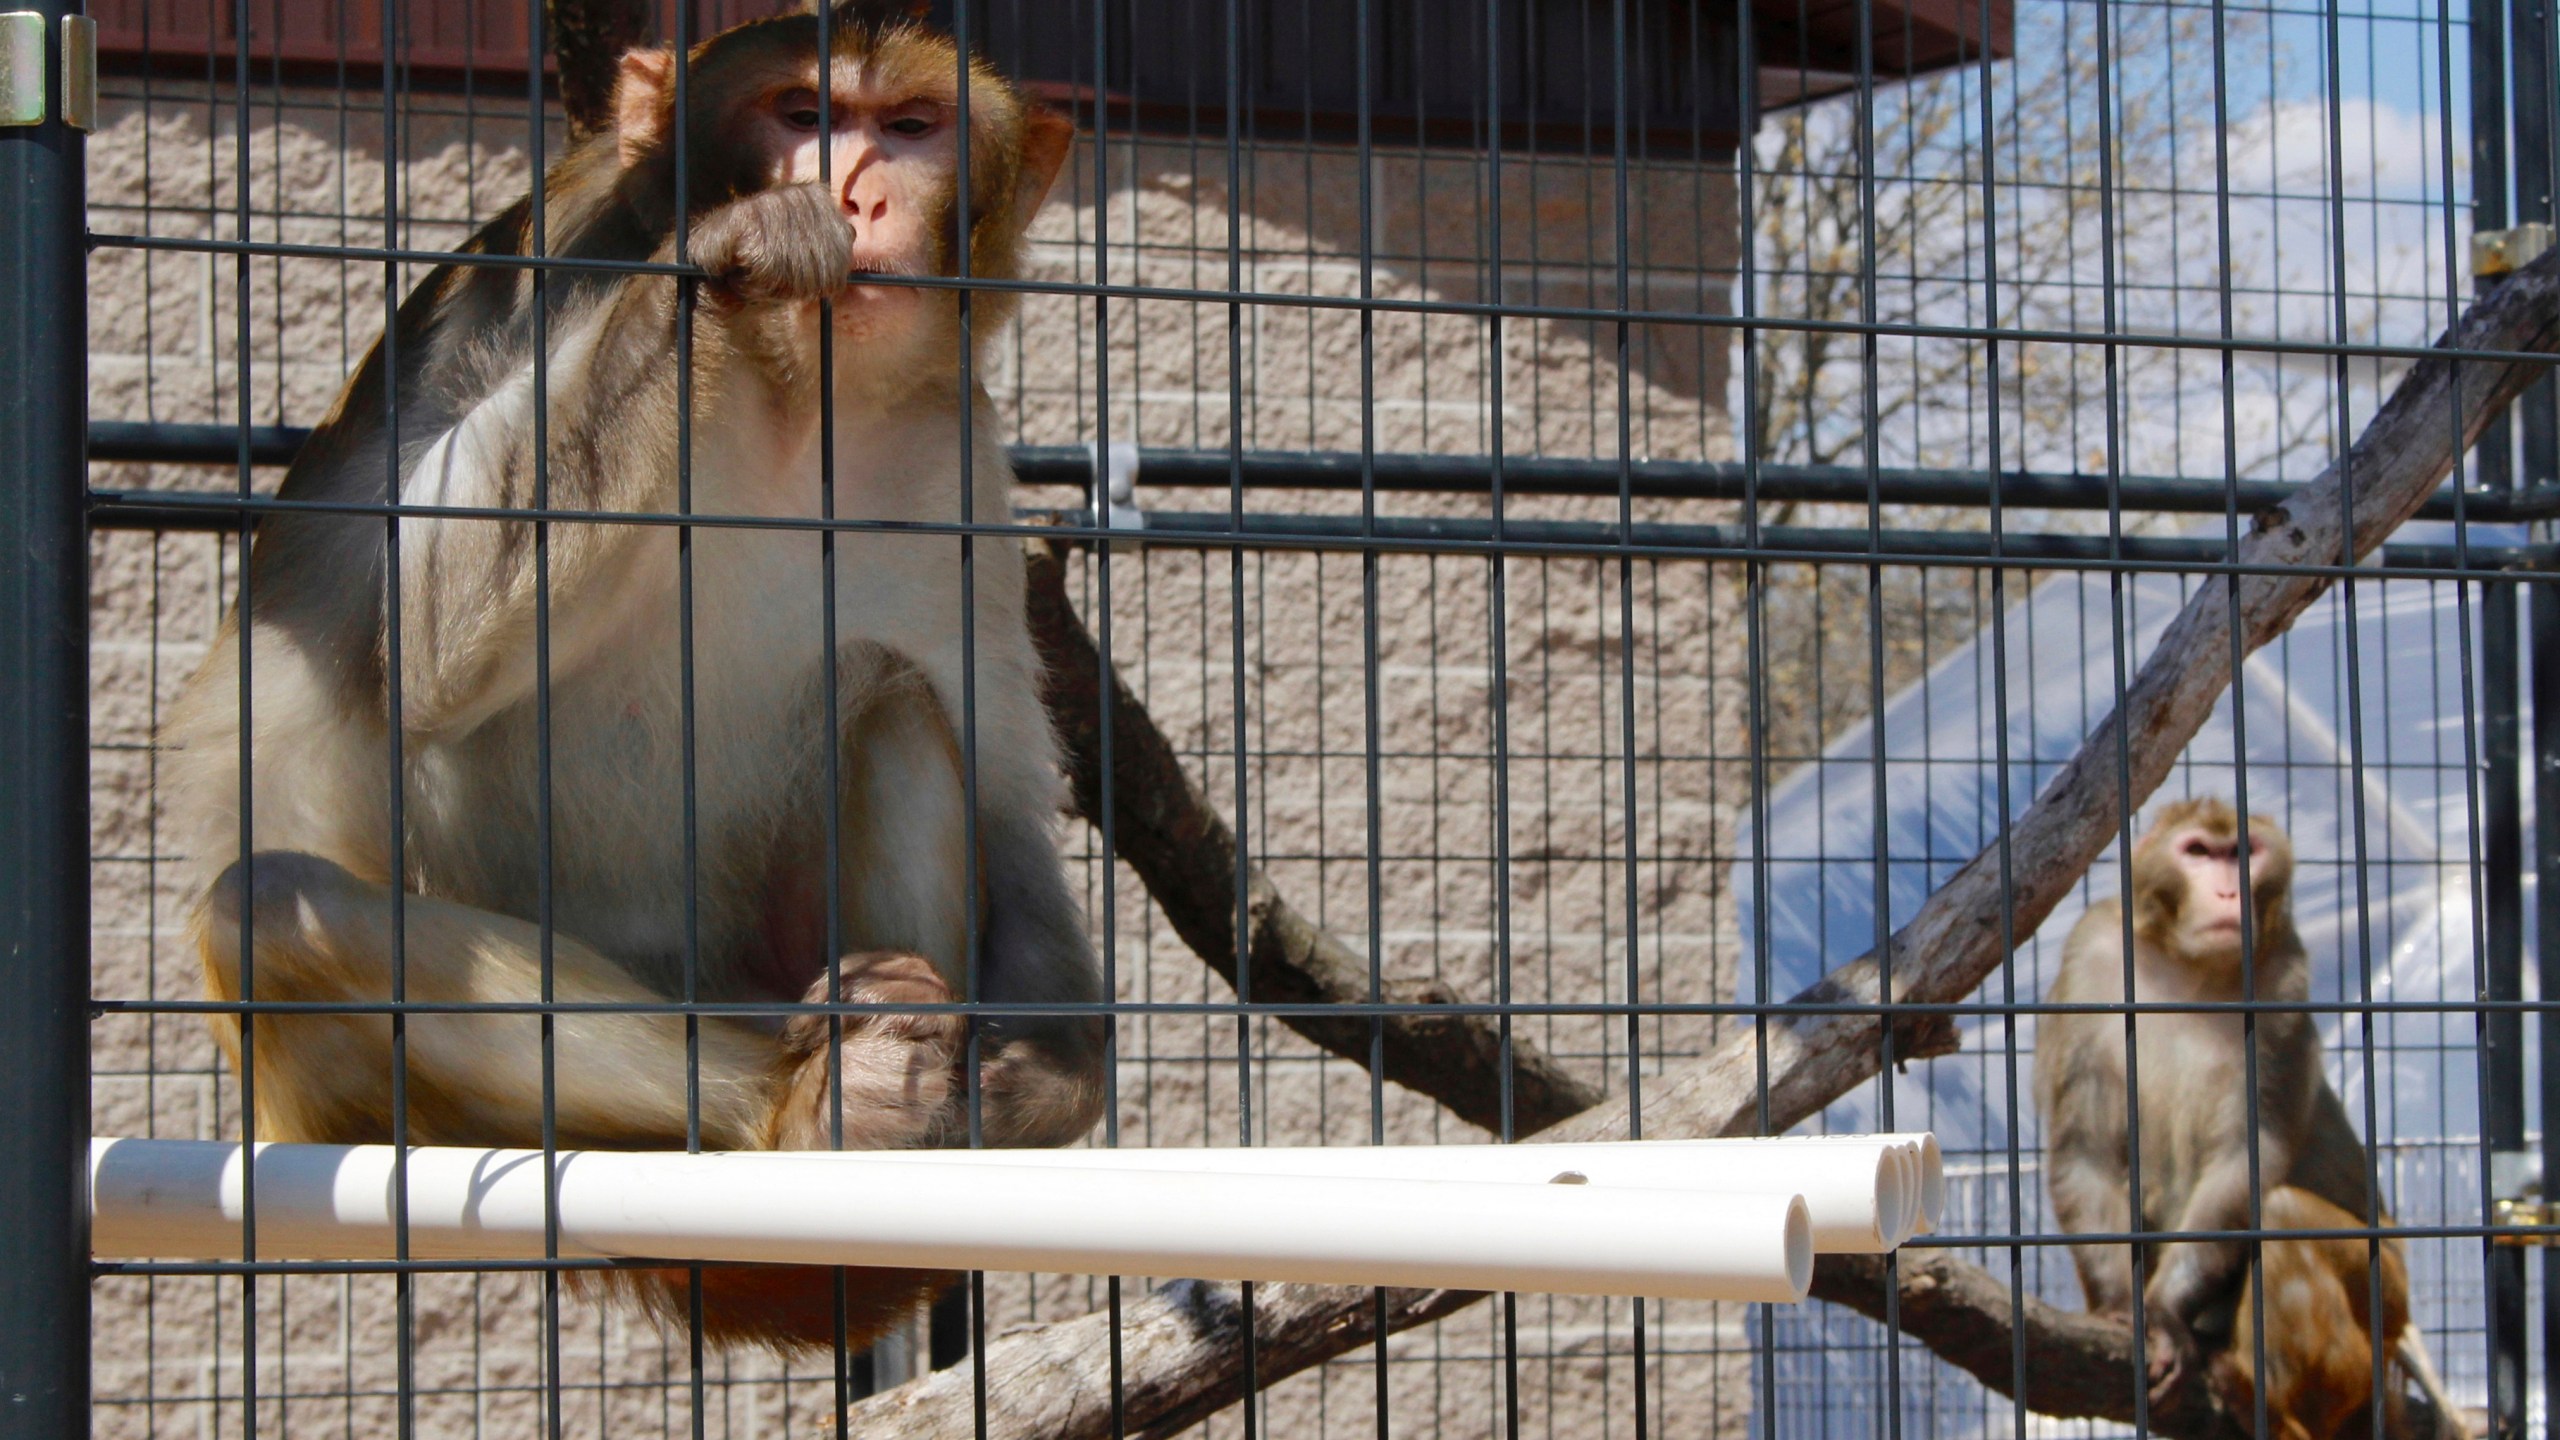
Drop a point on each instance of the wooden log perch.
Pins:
(2077, 1364)
(1181, 1351)
(1180, 1347)
(1181, 848)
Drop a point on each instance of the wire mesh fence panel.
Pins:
(1622, 512)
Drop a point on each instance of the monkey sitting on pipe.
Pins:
(458, 758)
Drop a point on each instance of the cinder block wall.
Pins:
(1189, 628)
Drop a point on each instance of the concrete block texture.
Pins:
(1532, 767)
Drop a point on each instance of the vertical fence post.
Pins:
(2502, 883)
(44, 764)
(2501, 788)
(2530, 35)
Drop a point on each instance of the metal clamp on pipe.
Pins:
(1115, 490)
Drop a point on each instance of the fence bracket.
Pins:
(22, 68)
(2522, 1213)
(2497, 252)
(80, 73)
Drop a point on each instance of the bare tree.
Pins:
(2078, 190)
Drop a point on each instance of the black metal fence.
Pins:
(1631, 500)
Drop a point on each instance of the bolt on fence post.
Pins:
(44, 761)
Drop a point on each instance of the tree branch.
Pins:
(2075, 1364)
(1181, 1356)
(1182, 849)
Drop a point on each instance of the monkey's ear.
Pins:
(644, 101)
(1047, 137)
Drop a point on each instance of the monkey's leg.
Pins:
(619, 1081)
(322, 935)
(893, 1078)
(1040, 1076)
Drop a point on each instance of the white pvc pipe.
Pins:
(1919, 1149)
(183, 1199)
(1862, 1193)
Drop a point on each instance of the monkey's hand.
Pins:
(788, 243)
(1041, 1091)
(2170, 1350)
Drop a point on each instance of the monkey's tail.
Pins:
(2411, 1352)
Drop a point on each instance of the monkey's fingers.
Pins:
(791, 242)
(895, 1080)
(885, 977)
(2170, 1355)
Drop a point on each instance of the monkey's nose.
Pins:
(863, 210)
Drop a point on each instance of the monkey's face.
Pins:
(2210, 864)
(890, 156)
(2195, 889)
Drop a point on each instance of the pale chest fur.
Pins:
(2190, 1067)
(723, 740)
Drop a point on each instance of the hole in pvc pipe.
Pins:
(1799, 1246)
(1570, 1177)
(1893, 1200)
(1933, 1181)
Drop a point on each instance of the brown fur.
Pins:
(2320, 1372)
(302, 888)
(2194, 1074)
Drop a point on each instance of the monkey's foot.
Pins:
(900, 1069)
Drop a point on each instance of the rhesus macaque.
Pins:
(412, 751)
(2189, 920)
(2320, 1374)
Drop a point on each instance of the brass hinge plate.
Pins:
(80, 73)
(2525, 1212)
(2500, 252)
(22, 67)
(23, 88)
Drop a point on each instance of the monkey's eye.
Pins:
(2199, 849)
(798, 109)
(910, 126)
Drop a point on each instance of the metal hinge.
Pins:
(2515, 1179)
(2525, 1212)
(80, 73)
(2499, 252)
(22, 70)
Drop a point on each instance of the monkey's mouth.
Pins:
(869, 276)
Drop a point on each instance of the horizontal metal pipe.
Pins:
(188, 1199)
(1833, 541)
(269, 445)
(194, 511)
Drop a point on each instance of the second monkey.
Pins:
(2212, 924)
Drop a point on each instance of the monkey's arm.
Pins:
(2091, 1196)
(2080, 1092)
(2195, 1274)
(1042, 1081)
